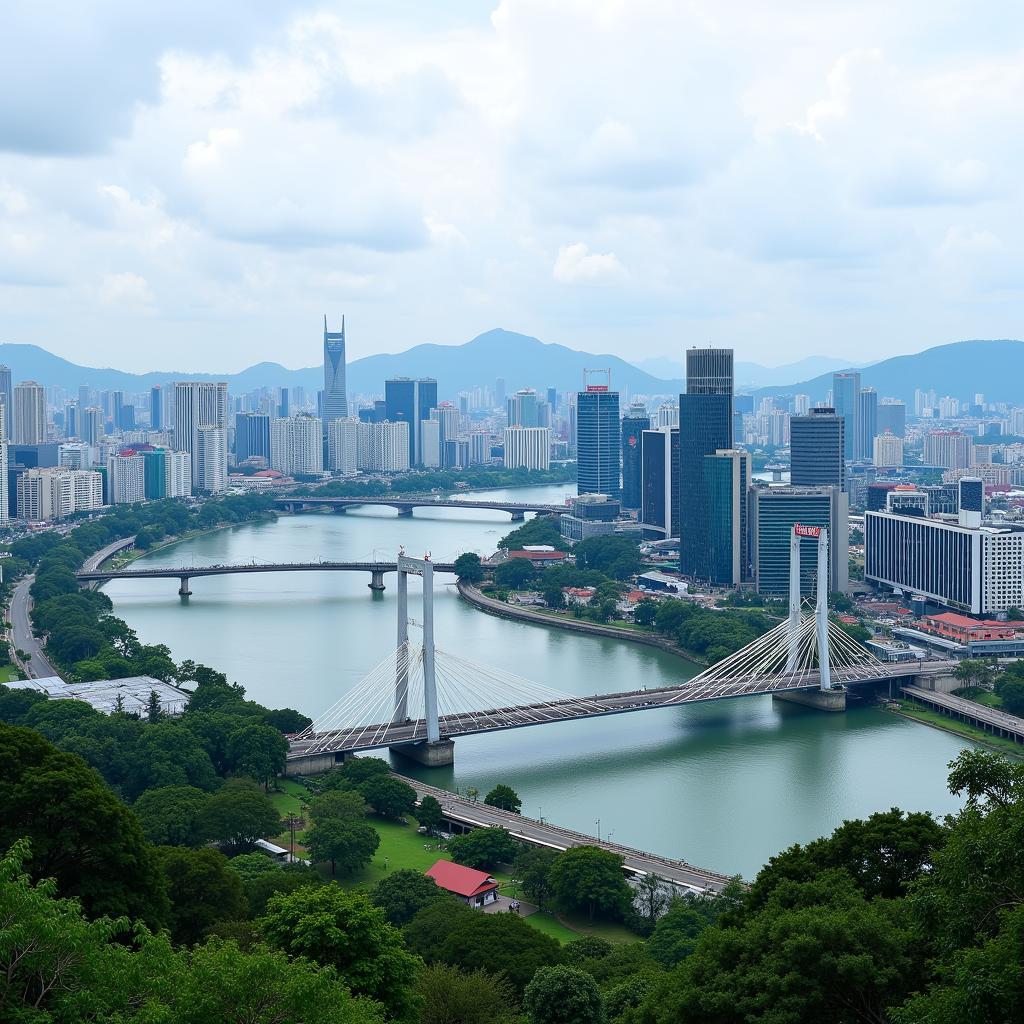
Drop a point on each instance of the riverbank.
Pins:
(915, 713)
(504, 610)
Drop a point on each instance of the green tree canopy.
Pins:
(170, 815)
(238, 814)
(388, 796)
(203, 890)
(483, 848)
(591, 879)
(338, 803)
(429, 814)
(347, 843)
(345, 931)
(563, 995)
(504, 797)
(404, 893)
(468, 567)
(257, 751)
(452, 996)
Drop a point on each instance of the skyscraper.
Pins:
(705, 427)
(252, 436)
(660, 483)
(156, 408)
(892, 415)
(201, 429)
(521, 409)
(335, 400)
(410, 401)
(527, 448)
(91, 428)
(867, 423)
(598, 442)
(634, 423)
(816, 449)
(726, 480)
(297, 446)
(29, 413)
(845, 399)
(7, 397)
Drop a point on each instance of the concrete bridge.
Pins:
(405, 505)
(184, 574)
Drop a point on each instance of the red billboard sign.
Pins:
(806, 531)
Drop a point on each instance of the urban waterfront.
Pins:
(723, 785)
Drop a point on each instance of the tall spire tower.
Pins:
(335, 404)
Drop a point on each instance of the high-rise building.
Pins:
(5, 497)
(284, 408)
(52, 493)
(154, 473)
(888, 450)
(667, 415)
(343, 446)
(892, 415)
(252, 436)
(384, 447)
(705, 427)
(335, 400)
(75, 455)
(29, 413)
(479, 447)
(845, 398)
(71, 419)
(499, 392)
(450, 427)
(522, 409)
(659, 508)
(726, 481)
(156, 408)
(430, 437)
(297, 446)
(598, 441)
(971, 501)
(410, 401)
(7, 397)
(178, 483)
(867, 423)
(527, 448)
(947, 448)
(201, 429)
(634, 423)
(774, 511)
(126, 478)
(816, 449)
(91, 428)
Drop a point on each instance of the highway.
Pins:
(1009, 726)
(542, 833)
(93, 574)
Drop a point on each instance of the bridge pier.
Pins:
(518, 517)
(820, 700)
(312, 764)
(376, 580)
(405, 513)
(432, 755)
(183, 590)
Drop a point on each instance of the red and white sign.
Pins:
(806, 531)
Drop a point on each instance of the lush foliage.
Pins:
(483, 848)
(504, 797)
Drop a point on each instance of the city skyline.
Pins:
(529, 182)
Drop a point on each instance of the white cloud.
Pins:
(576, 264)
(127, 290)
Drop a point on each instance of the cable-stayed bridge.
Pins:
(420, 698)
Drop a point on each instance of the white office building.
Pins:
(296, 446)
(177, 474)
(76, 455)
(430, 436)
(126, 478)
(343, 446)
(4, 493)
(888, 450)
(201, 429)
(527, 447)
(53, 493)
(384, 447)
(29, 413)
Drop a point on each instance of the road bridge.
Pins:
(992, 720)
(404, 505)
(186, 573)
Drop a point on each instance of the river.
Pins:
(723, 785)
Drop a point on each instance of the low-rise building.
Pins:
(477, 888)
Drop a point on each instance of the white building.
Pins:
(947, 448)
(52, 493)
(430, 434)
(177, 474)
(384, 447)
(126, 478)
(29, 413)
(528, 447)
(296, 445)
(201, 429)
(479, 447)
(76, 455)
(343, 446)
(888, 450)
(90, 424)
(4, 493)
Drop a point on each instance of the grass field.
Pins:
(8, 674)
(401, 846)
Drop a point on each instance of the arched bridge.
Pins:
(405, 505)
(186, 573)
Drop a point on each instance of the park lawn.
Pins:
(611, 931)
(8, 674)
(550, 925)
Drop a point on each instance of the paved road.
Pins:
(38, 666)
(991, 717)
(542, 833)
(89, 574)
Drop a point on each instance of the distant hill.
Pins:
(751, 375)
(521, 360)
(994, 369)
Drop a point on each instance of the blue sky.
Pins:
(193, 185)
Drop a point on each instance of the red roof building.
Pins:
(476, 888)
(539, 559)
(964, 629)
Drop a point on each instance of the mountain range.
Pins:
(753, 375)
(962, 369)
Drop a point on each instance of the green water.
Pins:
(723, 785)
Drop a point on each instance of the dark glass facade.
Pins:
(816, 449)
(632, 464)
(867, 423)
(705, 426)
(726, 478)
(845, 398)
(598, 443)
(892, 416)
(154, 466)
(252, 436)
(400, 407)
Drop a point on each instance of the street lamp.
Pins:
(599, 830)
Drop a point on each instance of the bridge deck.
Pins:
(175, 572)
(993, 719)
(468, 723)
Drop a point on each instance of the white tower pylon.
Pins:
(819, 533)
(425, 568)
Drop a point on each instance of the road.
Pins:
(37, 665)
(1001, 722)
(542, 833)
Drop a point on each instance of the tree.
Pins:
(258, 751)
(1011, 692)
(203, 890)
(452, 996)
(469, 568)
(345, 931)
(651, 898)
(390, 797)
(675, 934)
(338, 803)
(239, 814)
(402, 894)
(645, 612)
(170, 815)
(483, 848)
(287, 720)
(589, 878)
(504, 797)
(563, 995)
(589, 948)
(344, 842)
(450, 932)
(250, 866)
(532, 867)
(359, 769)
(81, 834)
(153, 710)
(429, 813)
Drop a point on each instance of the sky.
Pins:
(193, 185)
